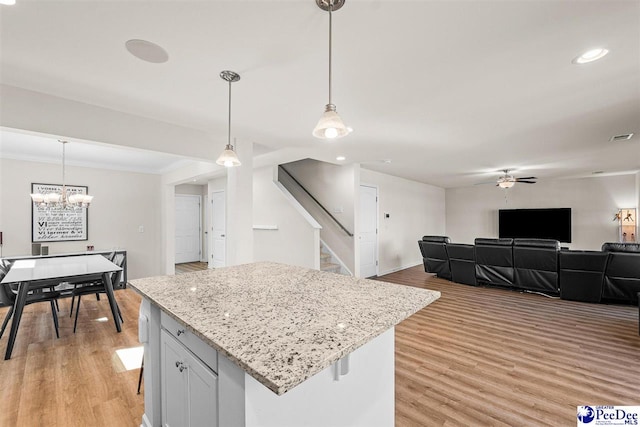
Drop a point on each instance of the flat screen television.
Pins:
(535, 224)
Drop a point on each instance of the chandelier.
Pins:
(62, 200)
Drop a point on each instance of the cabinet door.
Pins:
(203, 394)
(173, 382)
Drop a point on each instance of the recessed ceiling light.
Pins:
(590, 56)
(8, 2)
(147, 51)
(622, 137)
(386, 160)
(341, 158)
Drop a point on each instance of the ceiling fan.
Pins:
(508, 181)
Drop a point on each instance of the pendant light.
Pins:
(62, 200)
(229, 158)
(330, 125)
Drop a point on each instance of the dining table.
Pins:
(34, 274)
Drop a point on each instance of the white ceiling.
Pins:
(451, 91)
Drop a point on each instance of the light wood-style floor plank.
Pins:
(476, 357)
(485, 356)
(76, 380)
(188, 267)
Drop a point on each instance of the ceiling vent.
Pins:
(624, 137)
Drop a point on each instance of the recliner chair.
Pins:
(434, 255)
(582, 275)
(622, 274)
(494, 261)
(536, 264)
(462, 260)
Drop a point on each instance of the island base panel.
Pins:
(363, 397)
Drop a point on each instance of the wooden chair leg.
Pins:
(6, 320)
(55, 317)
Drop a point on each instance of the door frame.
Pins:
(210, 226)
(364, 184)
(200, 224)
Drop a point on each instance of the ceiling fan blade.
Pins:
(526, 177)
(526, 182)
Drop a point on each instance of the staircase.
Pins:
(326, 264)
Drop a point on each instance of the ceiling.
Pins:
(450, 91)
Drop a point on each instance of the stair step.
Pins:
(325, 257)
(330, 267)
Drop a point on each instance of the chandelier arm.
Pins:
(64, 144)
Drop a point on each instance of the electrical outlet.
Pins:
(141, 229)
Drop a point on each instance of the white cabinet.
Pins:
(189, 388)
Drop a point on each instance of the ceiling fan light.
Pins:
(506, 184)
(228, 158)
(330, 125)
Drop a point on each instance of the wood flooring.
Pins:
(77, 380)
(188, 267)
(475, 357)
(494, 357)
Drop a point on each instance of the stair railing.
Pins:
(350, 234)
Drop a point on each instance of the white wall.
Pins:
(473, 211)
(415, 209)
(295, 242)
(333, 187)
(239, 207)
(123, 201)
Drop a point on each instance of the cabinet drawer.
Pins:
(198, 347)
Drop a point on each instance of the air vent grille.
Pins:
(623, 137)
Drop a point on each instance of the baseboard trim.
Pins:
(145, 421)
(393, 270)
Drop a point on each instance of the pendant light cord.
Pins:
(330, 15)
(229, 127)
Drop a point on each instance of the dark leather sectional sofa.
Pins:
(538, 265)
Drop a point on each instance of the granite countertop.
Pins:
(279, 323)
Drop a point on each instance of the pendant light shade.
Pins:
(330, 125)
(229, 158)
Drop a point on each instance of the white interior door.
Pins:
(218, 229)
(368, 231)
(188, 241)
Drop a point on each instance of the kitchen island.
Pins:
(268, 344)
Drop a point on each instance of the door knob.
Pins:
(222, 235)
